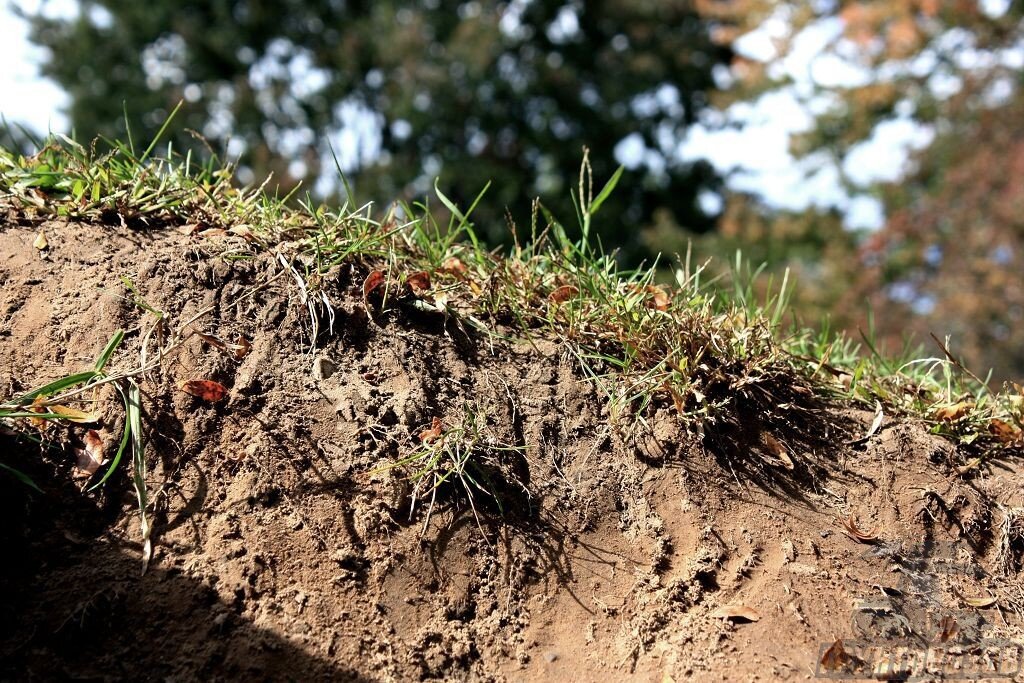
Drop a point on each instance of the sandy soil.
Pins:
(286, 550)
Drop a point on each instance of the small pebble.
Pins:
(323, 368)
(550, 656)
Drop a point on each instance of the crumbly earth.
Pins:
(286, 548)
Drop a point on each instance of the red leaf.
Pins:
(563, 293)
(372, 282)
(432, 434)
(205, 389)
(419, 282)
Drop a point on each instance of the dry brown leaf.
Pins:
(432, 434)
(190, 228)
(1003, 431)
(212, 232)
(244, 232)
(948, 628)
(677, 400)
(40, 242)
(776, 449)
(563, 293)
(75, 415)
(205, 389)
(659, 297)
(238, 350)
(954, 412)
(213, 341)
(419, 282)
(372, 282)
(89, 459)
(454, 266)
(736, 612)
(38, 406)
(242, 347)
(851, 528)
(982, 602)
(835, 657)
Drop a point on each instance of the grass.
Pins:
(698, 346)
(465, 455)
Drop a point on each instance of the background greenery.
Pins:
(511, 91)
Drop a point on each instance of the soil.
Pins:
(287, 546)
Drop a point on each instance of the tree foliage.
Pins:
(948, 258)
(406, 91)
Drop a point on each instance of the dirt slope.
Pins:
(285, 549)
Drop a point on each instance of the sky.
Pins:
(748, 142)
(24, 96)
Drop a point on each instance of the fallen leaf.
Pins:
(736, 612)
(432, 434)
(90, 458)
(980, 603)
(1003, 431)
(238, 350)
(835, 657)
(213, 341)
(954, 412)
(419, 282)
(242, 347)
(190, 228)
(454, 266)
(948, 628)
(677, 400)
(776, 449)
(205, 389)
(659, 297)
(850, 525)
(74, 414)
(374, 280)
(563, 293)
(41, 242)
(213, 232)
(244, 232)
(38, 406)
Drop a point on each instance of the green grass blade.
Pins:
(449, 204)
(125, 438)
(134, 405)
(159, 133)
(108, 351)
(58, 385)
(21, 476)
(605, 191)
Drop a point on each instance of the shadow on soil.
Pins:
(72, 600)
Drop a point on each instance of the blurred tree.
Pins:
(948, 73)
(406, 91)
(951, 257)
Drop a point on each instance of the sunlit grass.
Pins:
(696, 346)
